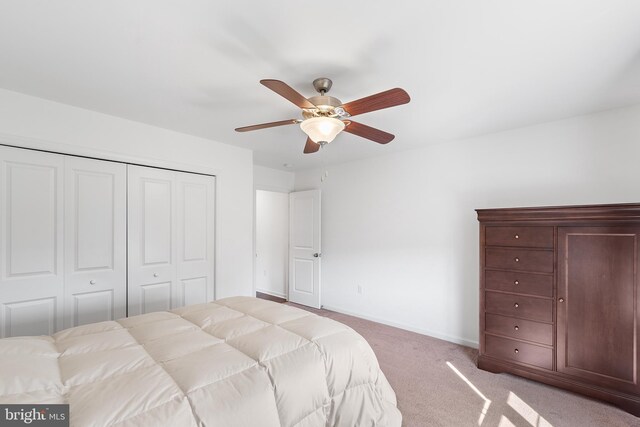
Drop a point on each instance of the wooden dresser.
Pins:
(559, 297)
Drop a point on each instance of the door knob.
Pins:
(316, 255)
(155, 274)
(92, 282)
(561, 300)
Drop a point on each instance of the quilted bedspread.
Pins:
(234, 362)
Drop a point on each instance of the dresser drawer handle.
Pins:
(516, 259)
(516, 305)
(516, 237)
(516, 351)
(516, 327)
(515, 282)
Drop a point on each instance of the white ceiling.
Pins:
(471, 67)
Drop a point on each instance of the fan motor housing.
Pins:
(326, 106)
(325, 102)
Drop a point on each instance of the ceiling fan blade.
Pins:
(386, 99)
(377, 135)
(311, 147)
(286, 91)
(267, 125)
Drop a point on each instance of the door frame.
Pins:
(274, 189)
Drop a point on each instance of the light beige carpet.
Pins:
(437, 384)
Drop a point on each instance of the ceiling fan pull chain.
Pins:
(323, 171)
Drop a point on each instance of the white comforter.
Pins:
(235, 362)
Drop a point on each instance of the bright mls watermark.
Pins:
(34, 415)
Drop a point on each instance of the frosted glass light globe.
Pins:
(322, 129)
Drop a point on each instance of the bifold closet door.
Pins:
(170, 239)
(95, 241)
(31, 236)
(196, 238)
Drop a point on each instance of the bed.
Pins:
(237, 361)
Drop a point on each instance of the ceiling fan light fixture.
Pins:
(324, 116)
(322, 129)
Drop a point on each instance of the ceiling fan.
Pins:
(324, 116)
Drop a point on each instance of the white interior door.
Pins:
(152, 238)
(95, 241)
(304, 248)
(196, 238)
(31, 242)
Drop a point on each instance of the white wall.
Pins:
(37, 123)
(272, 242)
(403, 226)
(273, 179)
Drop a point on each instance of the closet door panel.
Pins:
(40, 316)
(194, 291)
(156, 297)
(196, 228)
(152, 239)
(31, 261)
(95, 248)
(157, 197)
(94, 306)
(31, 199)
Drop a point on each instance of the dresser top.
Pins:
(626, 212)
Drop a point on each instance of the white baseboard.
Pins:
(450, 338)
(272, 293)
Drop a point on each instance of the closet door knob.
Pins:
(516, 259)
(516, 236)
(92, 282)
(155, 274)
(516, 351)
(516, 327)
(561, 300)
(516, 305)
(515, 282)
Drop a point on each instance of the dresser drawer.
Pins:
(531, 308)
(523, 283)
(518, 351)
(531, 237)
(519, 259)
(519, 328)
